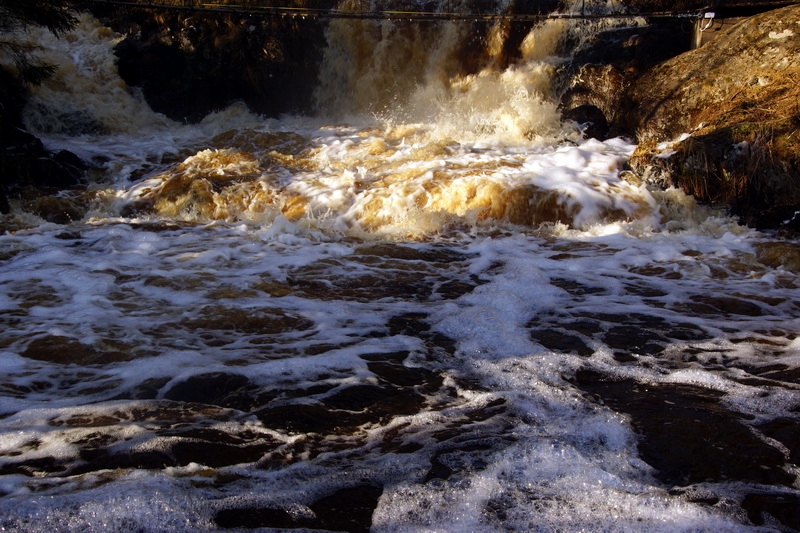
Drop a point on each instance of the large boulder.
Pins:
(602, 72)
(722, 121)
(24, 161)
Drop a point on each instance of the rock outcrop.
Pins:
(24, 161)
(189, 64)
(722, 121)
(739, 100)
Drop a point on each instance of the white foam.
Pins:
(157, 291)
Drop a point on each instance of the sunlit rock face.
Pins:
(715, 81)
(718, 121)
(728, 111)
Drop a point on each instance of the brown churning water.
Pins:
(431, 307)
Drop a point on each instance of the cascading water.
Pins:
(433, 307)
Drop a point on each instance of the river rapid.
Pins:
(432, 307)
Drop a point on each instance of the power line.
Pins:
(419, 16)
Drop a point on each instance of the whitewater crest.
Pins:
(423, 134)
(395, 183)
(423, 129)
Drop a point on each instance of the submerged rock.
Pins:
(590, 119)
(347, 509)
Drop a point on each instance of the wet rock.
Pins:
(348, 509)
(34, 467)
(147, 390)
(27, 163)
(591, 120)
(102, 459)
(787, 432)
(303, 418)
(721, 305)
(561, 341)
(65, 350)
(780, 254)
(737, 97)
(454, 289)
(218, 388)
(634, 339)
(368, 286)
(763, 509)
(376, 403)
(24, 162)
(57, 210)
(415, 325)
(177, 434)
(180, 447)
(359, 397)
(216, 453)
(404, 376)
(262, 321)
(687, 435)
(395, 251)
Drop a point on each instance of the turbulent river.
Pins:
(434, 307)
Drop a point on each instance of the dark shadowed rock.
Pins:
(24, 162)
(190, 64)
(218, 388)
(590, 119)
(783, 507)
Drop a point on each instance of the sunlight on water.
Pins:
(441, 310)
